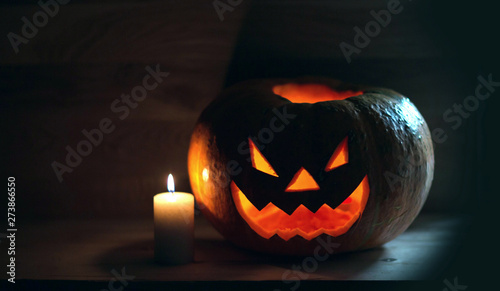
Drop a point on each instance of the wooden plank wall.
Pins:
(65, 78)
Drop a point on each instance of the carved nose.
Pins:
(302, 181)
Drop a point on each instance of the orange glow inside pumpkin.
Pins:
(271, 220)
(202, 181)
(259, 162)
(311, 93)
(302, 181)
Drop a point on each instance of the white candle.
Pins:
(174, 226)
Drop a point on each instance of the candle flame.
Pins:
(170, 183)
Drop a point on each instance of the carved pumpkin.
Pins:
(276, 165)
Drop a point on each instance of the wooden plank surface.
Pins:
(88, 250)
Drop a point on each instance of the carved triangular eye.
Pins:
(258, 161)
(340, 156)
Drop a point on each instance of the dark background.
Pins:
(91, 52)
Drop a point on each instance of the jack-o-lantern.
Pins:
(278, 165)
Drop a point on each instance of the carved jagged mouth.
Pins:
(271, 220)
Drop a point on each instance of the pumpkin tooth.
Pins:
(271, 220)
(286, 234)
